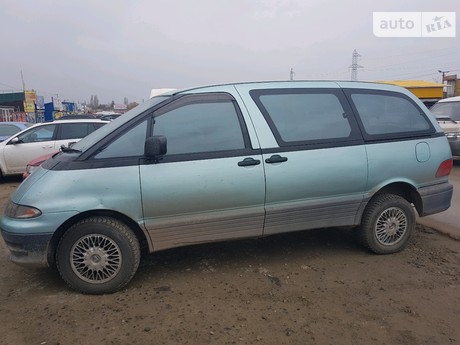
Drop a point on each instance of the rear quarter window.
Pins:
(385, 114)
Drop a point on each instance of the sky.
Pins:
(121, 48)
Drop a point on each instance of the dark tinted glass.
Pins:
(306, 117)
(386, 114)
(129, 144)
(201, 127)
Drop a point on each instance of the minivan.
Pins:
(228, 162)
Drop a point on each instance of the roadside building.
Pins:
(428, 92)
(453, 83)
(18, 106)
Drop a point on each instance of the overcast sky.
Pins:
(121, 48)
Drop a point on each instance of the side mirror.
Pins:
(155, 147)
(14, 141)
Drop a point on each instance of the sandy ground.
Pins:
(313, 287)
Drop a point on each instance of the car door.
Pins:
(316, 168)
(34, 142)
(210, 185)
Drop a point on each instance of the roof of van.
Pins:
(338, 83)
(450, 99)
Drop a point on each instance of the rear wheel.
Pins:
(98, 255)
(388, 224)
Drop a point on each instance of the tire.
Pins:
(98, 255)
(388, 224)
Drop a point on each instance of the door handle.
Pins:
(276, 159)
(248, 162)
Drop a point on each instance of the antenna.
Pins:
(291, 74)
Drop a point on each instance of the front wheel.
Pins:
(388, 224)
(98, 255)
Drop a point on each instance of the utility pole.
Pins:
(443, 74)
(291, 74)
(354, 65)
(23, 83)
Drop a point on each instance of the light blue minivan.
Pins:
(229, 162)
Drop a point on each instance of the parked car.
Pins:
(40, 139)
(7, 129)
(447, 112)
(110, 117)
(229, 162)
(77, 117)
(35, 163)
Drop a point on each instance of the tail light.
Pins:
(445, 168)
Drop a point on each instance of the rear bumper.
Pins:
(435, 198)
(28, 249)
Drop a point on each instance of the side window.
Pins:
(303, 116)
(8, 130)
(386, 114)
(74, 130)
(129, 144)
(39, 134)
(200, 126)
(78, 130)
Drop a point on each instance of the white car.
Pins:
(40, 139)
(447, 112)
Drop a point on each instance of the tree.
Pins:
(132, 105)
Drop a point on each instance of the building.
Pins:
(428, 92)
(454, 85)
(18, 106)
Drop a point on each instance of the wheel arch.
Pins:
(144, 241)
(402, 189)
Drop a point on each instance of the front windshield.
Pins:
(102, 132)
(447, 109)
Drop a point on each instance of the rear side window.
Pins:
(78, 130)
(386, 114)
(307, 116)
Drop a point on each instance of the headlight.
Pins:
(31, 168)
(13, 210)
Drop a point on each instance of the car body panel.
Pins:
(181, 207)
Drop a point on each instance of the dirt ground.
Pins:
(313, 287)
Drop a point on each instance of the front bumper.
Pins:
(28, 249)
(435, 198)
(29, 239)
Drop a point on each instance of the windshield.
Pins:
(447, 109)
(102, 132)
